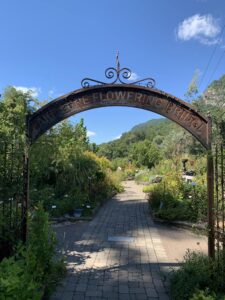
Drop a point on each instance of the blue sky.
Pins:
(51, 45)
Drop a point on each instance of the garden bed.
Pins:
(94, 211)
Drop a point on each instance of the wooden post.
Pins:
(210, 193)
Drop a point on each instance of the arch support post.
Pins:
(210, 193)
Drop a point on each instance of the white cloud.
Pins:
(211, 42)
(203, 28)
(133, 76)
(118, 137)
(91, 133)
(34, 91)
(51, 93)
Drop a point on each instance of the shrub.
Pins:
(148, 188)
(167, 203)
(198, 196)
(172, 199)
(203, 295)
(115, 179)
(171, 209)
(142, 176)
(34, 269)
(83, 179)
(197, 278)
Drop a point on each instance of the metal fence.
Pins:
(11, 195)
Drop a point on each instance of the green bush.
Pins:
(76, 180)
(142, 176)
(34, 270)
(171, 209)
(198, 278)
(168, 206)
(198, 196)
(164, 167)
(203, 295)
(15, 282)
(148, 188)
(172, 199)
(115, 179)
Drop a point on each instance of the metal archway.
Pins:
(130, 95)
(120, 95)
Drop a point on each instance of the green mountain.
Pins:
(153, 131)
(167, 136)
(154, 127)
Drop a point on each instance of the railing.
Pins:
(11, 195)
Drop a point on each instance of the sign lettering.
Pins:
(102, 96)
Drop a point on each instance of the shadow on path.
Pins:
(135, 267)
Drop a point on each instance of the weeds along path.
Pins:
(121, 253)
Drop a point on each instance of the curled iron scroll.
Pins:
(117, 75)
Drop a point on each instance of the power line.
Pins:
(211, 57)
(207, 67)
(217, 65)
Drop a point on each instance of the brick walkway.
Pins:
(119, 256)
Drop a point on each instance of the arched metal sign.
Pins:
(120, 95)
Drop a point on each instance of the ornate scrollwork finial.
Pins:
(118, 75)
(117, 62)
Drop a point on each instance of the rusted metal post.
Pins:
(210, 193)
(25, 183)
(210, 184)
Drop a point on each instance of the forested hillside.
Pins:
(155, 139)
(165, 136)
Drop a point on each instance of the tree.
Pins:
(145, 154)
(192, 88)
